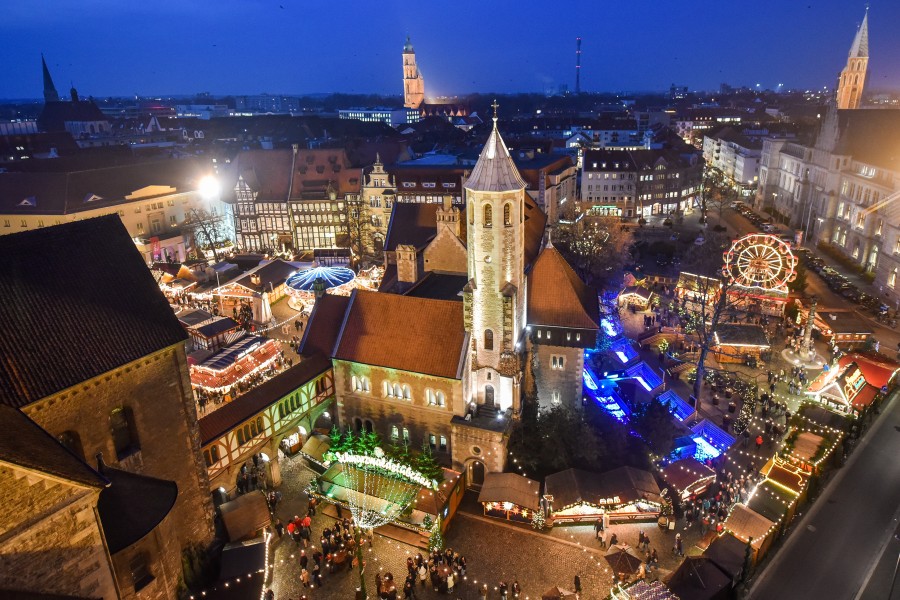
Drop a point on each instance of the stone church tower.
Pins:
(853, 77)
(413, 84)
(494, 297)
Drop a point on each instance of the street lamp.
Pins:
(209, 187)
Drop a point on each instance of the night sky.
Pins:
(160, 47)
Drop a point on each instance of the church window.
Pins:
(577, 337)
(72, 442)
(488, 339)
(141, 576)
(557, 362)
(488, 215)
(124, 433)
(432, 441)
(439, 398)
(555, 397)
(240, 437)
(507, 214)
(407, 392)
(539, 334)
(357, 424)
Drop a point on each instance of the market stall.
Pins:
(751, 527)
(623, 494)
(510, 496)
(688, 477)
(636, 297)
(241, 359)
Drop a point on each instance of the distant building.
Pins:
(413, 83)
(265, 103)
(853, 77)
(736, 156)
(389, 116)
(693, 123)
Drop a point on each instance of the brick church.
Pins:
(474, 310)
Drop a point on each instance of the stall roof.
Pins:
(225, 357)
(637, 290)
(574, 486)
(684, 473)
(727, 552)
(242, 558)
(770, 501)
(731, 334)
(877, 371)
(316, 447)
(245, 515)
(192, 318)
(785, 474)
(807, 445)
(746, 524)
(843, 322)
(433, 501)
(511, 487)
(216, 326)
(698, 578)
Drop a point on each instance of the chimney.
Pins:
(407, 268)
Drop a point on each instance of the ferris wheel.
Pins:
(762, 261)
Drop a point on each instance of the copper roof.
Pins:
(495, 170)
(79, 301)
(557, 297)
(405, 333)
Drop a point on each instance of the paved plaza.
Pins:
(495, 551)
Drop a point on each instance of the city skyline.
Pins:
(183, 48)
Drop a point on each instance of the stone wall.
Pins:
(163, 555)
(446, 252)
(157, 391)
(567, 381)
(50, 538)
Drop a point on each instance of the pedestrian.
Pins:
(423, 573)
(759, 441)
(484, 592)
(577, 584)
(601, 535)
(516, 589)
(304, 577)
(317, 575)
(613, 539)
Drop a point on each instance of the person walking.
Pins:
(577, 583)
(759, 441)
(423, 573)
(304, 577)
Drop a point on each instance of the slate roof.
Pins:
(727, 553)
(267, 172)
(245, 406)
(31, 447)
(412, 224)
(871, 136)
(495, 170)
(68, 192)
(132, 506)
(55, 115)
(698, 578)
(557, 297)
(535, 224)
(324, 325)
(400, 332)
(439, 286)
(78, 302)
(860, 47)
(216, 326)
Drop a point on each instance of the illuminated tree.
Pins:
(208, 226)
(597, 248)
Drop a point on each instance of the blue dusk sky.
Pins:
(161, 47)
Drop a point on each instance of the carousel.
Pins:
(302, 286)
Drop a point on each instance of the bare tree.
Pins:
(717, 193)
(359, 228)
(598, 248)
(708, 298)
(206, 225)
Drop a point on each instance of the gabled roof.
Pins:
(698, 578)
(245, 406)
(55, 115)
(29, 446)
(535, 224)
(511, 487)
(878, 372)
(400, 332)
(412, 223)
(274, 272)
(574, 486)
(267, 172)
(495, 170)
(324, 325)
(78, 301)
(557, 297)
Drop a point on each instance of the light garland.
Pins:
(386, 464)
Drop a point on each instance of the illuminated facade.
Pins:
(853, 77)
(413, 84)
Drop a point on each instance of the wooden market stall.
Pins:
(623, 494)
(751, 527)
(510, 496)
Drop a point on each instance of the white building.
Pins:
(736, 156)
(390, 116)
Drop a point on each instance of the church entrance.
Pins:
(489, 397)
(476, 473)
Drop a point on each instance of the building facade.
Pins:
(853, 77)
(413, 84)
(736, 156)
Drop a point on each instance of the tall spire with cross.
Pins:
(50, 93)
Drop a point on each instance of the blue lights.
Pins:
(705, 450)
(588, 380)
(302, 281)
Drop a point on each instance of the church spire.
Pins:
(495, 170)
(860, 47)
(50, 93)
(853, 77)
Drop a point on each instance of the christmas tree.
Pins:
(538, 521)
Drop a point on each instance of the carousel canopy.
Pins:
(302, 281)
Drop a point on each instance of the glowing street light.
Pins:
(209, 187)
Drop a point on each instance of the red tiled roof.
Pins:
(557, 297)
(877, 372)
(324, 325)
(419, 335)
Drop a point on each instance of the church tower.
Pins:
(413, 84)
(50, 93)
(853, 77)
(494, 298)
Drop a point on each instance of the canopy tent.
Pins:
(622, 561)
(510, 496)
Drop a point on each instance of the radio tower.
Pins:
(578, 65)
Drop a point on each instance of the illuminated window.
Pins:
(892, 278)
(488, 215)
(507, 210)
(488, 339)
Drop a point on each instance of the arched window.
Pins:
(281, 411)
(395, 432)
(407, 393)
(366, 384)
(892, 278)
(123, 431)
(398, 391)
(214, 453)
(72, 442)
(354, 383)
(429, 396)
(259, 425)
(488, 215)
(357, 424)
(507, 215)
(369, 426)
(488, 339)
(247, 433)
(439, 398)
(489, 395)
(240, 436)
(385, 388)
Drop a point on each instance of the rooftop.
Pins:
(557, 297)
(80, 297)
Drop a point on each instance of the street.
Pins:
(834, 550)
